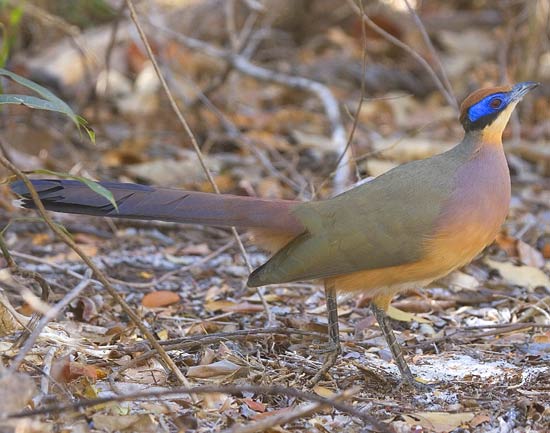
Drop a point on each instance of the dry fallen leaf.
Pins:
(439, 422)
(271, 413)
(233, 307)
(254, 405)
(402, 316)
(322, 391)
(219, 368)
(525, 276)
(41, 239)
(376, 167)
(542, 338)
(125, 423)
(89, 250)
(530, 256)
(160, 298)
(64, 370)
(480, 418)
(461, 280)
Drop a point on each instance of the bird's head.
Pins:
(488, 110)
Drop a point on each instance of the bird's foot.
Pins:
(332, 351)
(418, 384)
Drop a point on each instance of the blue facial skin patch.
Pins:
(483, 107)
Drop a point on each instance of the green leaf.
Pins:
(5, 49)
(28, 101)
(16, 15)
(9, 31)
(50, 101)
(63, 107)
(84, 124)
(94, 186)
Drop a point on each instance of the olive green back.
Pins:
(379, 224)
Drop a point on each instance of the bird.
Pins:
(402, 230)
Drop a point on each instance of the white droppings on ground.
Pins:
(453, 367)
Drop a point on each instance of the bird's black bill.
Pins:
(521, 89)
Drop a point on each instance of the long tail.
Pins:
(164, 204)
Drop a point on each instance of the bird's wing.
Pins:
(380, 224)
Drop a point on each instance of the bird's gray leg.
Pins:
(395, 348)
(333, 349)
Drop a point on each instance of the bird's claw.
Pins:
(332, 351)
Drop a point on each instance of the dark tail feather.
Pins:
(164, 204)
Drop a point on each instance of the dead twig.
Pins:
(243, 65)
(97, 272)
(462, 333)
(286, 417)
(433, 52)
(543, 304)
(46, 377)
(189, 342)
(51, 314)
(373, 423)
(449, 97)
(195, 144)
(280, 418)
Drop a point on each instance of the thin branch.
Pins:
(277, 419)
(450, 99)
(111, 45)
(194, 142)
(192, 340)
(533, 309)
(97, 272)
(51, 314)
(243, 65)
(433, 51)
(199, 390)
(359, 105)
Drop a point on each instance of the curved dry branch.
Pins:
(65, 238)
(325, 95)
(372, 423)
(449, 97)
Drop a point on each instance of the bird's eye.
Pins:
(495, 103)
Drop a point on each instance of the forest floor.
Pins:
(481, 335)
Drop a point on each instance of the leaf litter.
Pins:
(467, 333)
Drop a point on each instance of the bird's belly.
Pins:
(460, 242)
(445, 253)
